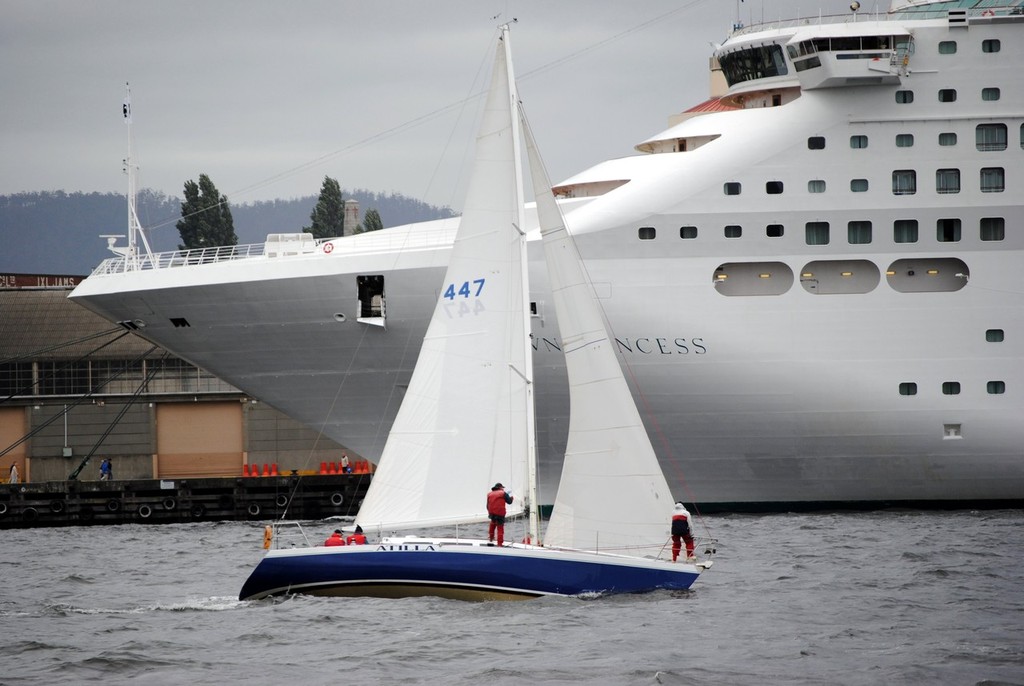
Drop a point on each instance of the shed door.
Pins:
(199, 439)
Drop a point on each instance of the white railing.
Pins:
(179, 258)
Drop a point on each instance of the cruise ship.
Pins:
(813, 279)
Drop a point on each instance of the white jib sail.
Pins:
(612, 494)
(462, 425)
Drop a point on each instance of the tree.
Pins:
(328, 216)
(205, 217)
(371, 221)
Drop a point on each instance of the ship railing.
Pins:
(984, 9)
(178, 258)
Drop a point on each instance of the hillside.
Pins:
(58, 232)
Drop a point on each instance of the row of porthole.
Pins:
(953, 387)
(836, 277)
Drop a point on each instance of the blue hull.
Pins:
(463, 571)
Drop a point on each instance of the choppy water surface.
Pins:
(893, 597)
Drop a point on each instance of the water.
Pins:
(892, 597)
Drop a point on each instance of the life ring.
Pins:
(328, 248)
(3, 508)
(145, 511)
(198, 510)
(337, 499)
(30, 514)
(57, 506)
(113, 505)
(282, 500)
(254, 509)
(169, 503)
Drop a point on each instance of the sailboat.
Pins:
(467, 421)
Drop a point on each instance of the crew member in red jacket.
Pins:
(356, 537)
(681, 530)
(335, 538)
(496, 501)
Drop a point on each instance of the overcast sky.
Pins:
(267, 97)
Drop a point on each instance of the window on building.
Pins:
(647, 233)
(774, 230)
(904, 97)
(733, 231)
(989, 94)
(773, 187)
(904, 182)
(946, 139)
(947, 230)
(990, 45)
(858, 232)
(993, 180)
(817, 185)
(993, 229)
(817, 233)
(904, 231)
(858, 142)
(990, 137)
(687, 232)
(816, 143)
(994, 336)
(947, 180)
(904, 140)
(950, 388)
(947, 95)
(996, 387)
(947, 47)
(733, 187)
(908, 388)
(858, 185)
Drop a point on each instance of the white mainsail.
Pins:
(466, 419)
(612, 493)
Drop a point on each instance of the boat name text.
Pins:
(643, 345)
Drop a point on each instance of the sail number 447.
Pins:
(468, 289)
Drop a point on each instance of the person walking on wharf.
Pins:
(496, 501)
(14, 474)
(681, 530)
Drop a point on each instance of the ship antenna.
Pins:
(134, 226)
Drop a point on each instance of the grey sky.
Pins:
(267, 97)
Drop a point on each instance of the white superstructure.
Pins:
(814, 284)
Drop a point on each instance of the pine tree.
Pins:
(371, 221)
(328, 216)
(205, 217)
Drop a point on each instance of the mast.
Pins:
(531, 439)
(134, 226)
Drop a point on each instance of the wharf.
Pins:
(166, 501)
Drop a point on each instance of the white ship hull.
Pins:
(757, 391)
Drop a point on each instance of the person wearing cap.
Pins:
(335, 538)
(496, 501)
(356, 537)
(681, 530)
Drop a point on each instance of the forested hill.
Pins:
(59, 233)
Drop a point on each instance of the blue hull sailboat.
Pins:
(467, 421)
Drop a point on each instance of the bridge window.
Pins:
(757, 62)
